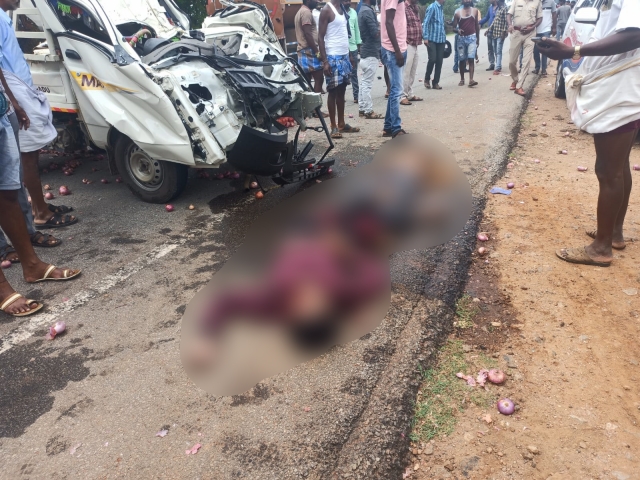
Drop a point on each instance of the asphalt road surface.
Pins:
(89, 403)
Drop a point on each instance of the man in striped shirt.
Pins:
(414, 37)
(434, 37)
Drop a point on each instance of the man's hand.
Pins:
(399, 59)
(486, 32)
(553, 32)
(326, 69)
(23, 118)
(511, 30)
(426, 43)
(504, 36)
(554, 49)
(460, 31)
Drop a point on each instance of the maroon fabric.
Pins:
(467, 24)
(629, 127)
(414, 27)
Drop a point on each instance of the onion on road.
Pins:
(496, 376)
(506, 406)
(483, 236)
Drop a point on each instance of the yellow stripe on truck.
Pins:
(88, 81)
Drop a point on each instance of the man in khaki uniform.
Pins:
(523, 19)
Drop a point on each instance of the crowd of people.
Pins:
(25, 128)
(341, 45)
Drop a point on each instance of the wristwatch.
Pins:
(576, 53)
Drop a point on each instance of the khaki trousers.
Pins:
(520, 41)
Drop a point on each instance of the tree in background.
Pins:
(196, 9)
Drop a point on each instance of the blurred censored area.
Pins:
(314, 271)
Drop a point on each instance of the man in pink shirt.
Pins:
(393, 30)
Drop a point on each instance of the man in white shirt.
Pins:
(547, 28)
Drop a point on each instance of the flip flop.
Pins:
(6, 251)
(399, 132)
(13, 299)
(335, 133)
(349, 129)
(497, 72)
(579, 256)
(472, 83)
(57, 221)
(67, 274)
(406, 104)
(372, 116)
(40, 239)
(415, 99)
(59, 209)
(592, 234)
(461, 84)
(386, 133)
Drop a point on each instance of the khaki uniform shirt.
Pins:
(525, 12)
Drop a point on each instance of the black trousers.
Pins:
(436, 57)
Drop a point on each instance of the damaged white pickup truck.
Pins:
(160, 97)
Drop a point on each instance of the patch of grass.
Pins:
(466, 311)
(442, 395)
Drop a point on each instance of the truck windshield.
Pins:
(76, 18)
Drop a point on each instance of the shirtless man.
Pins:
(467, 21)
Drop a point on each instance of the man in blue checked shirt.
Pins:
(488, 19)
(434, 37)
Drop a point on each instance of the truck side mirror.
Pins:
(587, 15)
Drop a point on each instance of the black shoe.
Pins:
(491, 67)
(535, 71)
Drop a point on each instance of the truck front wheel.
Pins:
(154, 181)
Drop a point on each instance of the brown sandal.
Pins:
(579, 256)
(372, 116)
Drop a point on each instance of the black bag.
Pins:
(447, 49)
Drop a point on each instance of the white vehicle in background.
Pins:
(578, 31)
(160, 98)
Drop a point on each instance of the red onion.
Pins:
(169, 208)
(506, 406)
(68, 173)
(235, 175)
(483, 236)
(564, 152)
(511, 185)
(496, 376)
(47, 187)
(220, 176)
(536, 161)
(5, 264)
(104, 180)
(544, 124)
(64, 190)
(582, 169)
(636, 167)
(57, 329)
(254, 185)
(259, 195)
(118, 179)
(94, 169)
(48, 196)
(330, 170)
(85, 180)
(535, 108)
(191, 207)
(482, 251)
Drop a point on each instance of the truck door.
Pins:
(111, 86)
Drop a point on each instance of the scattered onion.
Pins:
(330, 170)
(582, 169)
(64, 190)
(47, 187)
(57, 329)
(235, 175)
(544, 124)
(482, 251)
(191, 207)
(483, 236)
(536, 161)
(5, 264)
(220, 176)
(48, 196)
(564, 152)
(506, 406)
(496, 376)
(511, 185)
(259, 195)
(104, 180)
(169, 208)
(254, 185)
(636, 167)
(118, 179)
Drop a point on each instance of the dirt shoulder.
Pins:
(566, 335)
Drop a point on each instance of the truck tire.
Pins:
(558, 90)
(153, 181)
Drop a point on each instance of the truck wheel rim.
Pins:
(144, 170)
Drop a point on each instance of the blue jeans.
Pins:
(498, 43)
(22, 192)
(536, 53)
(392, 122)
(456, 59)
(353, 56)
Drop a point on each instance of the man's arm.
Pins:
(485, 19)
(322, 31)
(306, 31)
(425, 25)
(621, 42)
(477, 28)
(456, 22)
(23, 118)
(391, 31)
(554, 23)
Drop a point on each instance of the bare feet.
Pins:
(619, 242)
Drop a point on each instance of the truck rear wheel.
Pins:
(153, 181)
